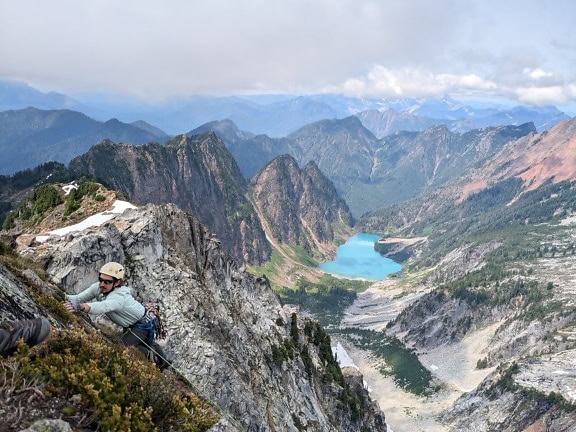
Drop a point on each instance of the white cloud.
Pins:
(543, 95)
(536, 73)
(537, 88)
(410, 82)
(363, 47)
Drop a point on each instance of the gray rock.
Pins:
(48, 425)
(221, 321)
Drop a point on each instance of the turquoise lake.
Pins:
(358, 259)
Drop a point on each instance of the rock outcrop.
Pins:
(197, 174)
(301, 206)
(228, 334)
(531, 395)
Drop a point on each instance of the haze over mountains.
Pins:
(32, 136)
(279, 115)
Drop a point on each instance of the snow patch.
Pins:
(68, 188)
(94, 220)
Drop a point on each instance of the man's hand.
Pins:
(71, 305)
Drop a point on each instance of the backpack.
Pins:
(153, 316)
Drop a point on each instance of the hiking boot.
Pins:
(32, 331)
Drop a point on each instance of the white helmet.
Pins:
(113, 269)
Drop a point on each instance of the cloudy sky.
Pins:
(521, 50)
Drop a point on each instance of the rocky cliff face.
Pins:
(267, 369)
(300, 205)
(530, 395)
(197, 174)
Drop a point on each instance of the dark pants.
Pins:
(8, 342)
(143, 340)
(32, 331)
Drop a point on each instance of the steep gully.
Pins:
(312, 274)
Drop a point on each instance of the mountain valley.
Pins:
(477, 332)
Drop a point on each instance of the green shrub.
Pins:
(42, 199)
(75, 197)
(119, 389)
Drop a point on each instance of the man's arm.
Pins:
(88, 294)
(113, 302)
(76, 302)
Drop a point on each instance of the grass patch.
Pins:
(401, 363)
(326, 299)
(300, 255)
(272, 269)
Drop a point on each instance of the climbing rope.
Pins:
(179, 373)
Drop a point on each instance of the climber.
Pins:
(32, 332)
(111, 297)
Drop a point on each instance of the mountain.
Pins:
(239, 358)
(371, 173)
(390, 121)
(519, 167)
(32, 136)
(300, 206)
(141, 124)
(15, 95)
(197, 174)
(225, 129)
(509, 182)
(252, 152)
(549, 156)
(543, 117)
(280, 115)
(494, 268)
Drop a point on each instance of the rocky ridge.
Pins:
(224, 323)
(197, 174)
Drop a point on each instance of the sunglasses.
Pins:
(105, 281)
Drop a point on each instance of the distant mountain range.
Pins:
(511, 181)
(30, 137)
(390, 121)
(391, 152)
(370, 173)
(367, 172)
(280, 115)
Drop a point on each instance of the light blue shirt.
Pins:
(118, 305)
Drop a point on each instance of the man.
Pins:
(32, 332)
(111, 297)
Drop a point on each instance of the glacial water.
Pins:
(357, 259)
